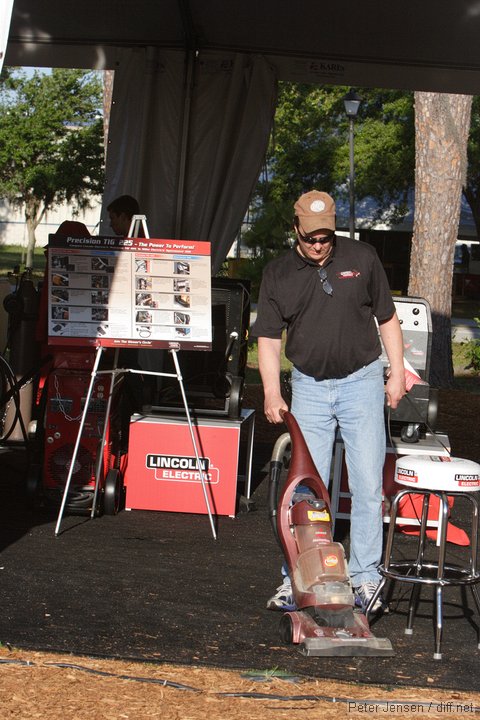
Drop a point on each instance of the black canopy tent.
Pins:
(432, 45)
(195, 83)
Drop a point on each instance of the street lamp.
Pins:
(352, 103)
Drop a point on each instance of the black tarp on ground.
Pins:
(156, 586)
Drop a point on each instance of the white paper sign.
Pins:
(129, 292)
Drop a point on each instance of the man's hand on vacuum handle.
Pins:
(269, 350)
(392, 338)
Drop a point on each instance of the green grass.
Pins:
(252, 376)
(253, 356)
(464, 379)
(14, 255)
(459, 356)
(467, 380)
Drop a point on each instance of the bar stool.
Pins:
(442, 477)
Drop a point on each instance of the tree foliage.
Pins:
(51, 142)
(384, 152)
(310, 148)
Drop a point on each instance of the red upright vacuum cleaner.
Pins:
(326, 622)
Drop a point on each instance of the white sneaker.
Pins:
(364, 593)
(283, 598)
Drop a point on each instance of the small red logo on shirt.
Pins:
(347, 274)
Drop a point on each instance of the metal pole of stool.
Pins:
(415, 594)
(473, 556)
(442, 535)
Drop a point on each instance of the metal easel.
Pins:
(138, 223)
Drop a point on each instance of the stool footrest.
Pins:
(452, 574)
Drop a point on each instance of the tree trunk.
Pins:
(30, 243)
(108, 79)
(33, 215)
(442, 123)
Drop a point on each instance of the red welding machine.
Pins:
(64, 399)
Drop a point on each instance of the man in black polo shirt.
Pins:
(327, 293)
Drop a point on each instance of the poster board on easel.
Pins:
(129, 292)
(98, 288)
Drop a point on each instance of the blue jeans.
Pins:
(354, 404)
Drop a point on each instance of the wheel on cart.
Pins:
(235, 397)
(410, 433)
(112, 494)
(286, 629)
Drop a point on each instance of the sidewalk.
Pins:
(464, 330)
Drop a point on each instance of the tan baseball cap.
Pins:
(315, 211)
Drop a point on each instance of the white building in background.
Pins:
(13, 229)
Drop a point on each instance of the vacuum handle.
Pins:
(302, 466)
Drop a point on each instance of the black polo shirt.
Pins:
(328, 336)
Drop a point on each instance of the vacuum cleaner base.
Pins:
(347, 647)
(300, 628)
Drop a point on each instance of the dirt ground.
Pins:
(60, 687)
(41, 685)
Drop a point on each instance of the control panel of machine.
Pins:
(416, 322)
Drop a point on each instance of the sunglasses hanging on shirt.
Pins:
(322, 274)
